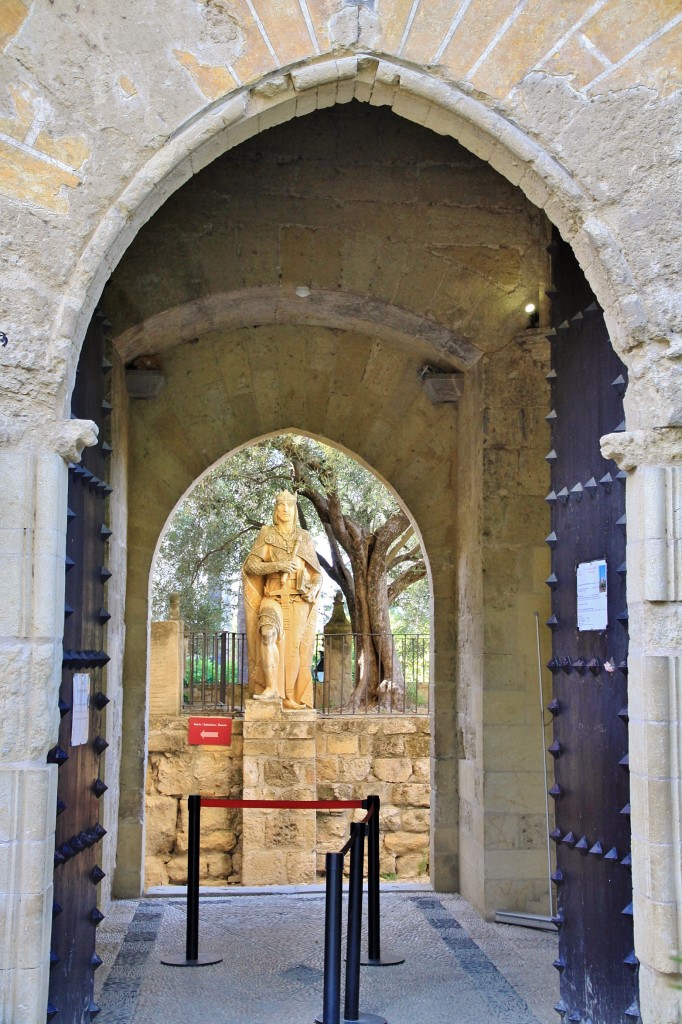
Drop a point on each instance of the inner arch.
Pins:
(321, 307)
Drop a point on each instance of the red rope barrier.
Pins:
(319, 805)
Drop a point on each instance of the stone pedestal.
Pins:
(338, 656)
(166, 667)
(279, 764)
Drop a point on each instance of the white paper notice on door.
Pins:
(79, 709)
(592, 596)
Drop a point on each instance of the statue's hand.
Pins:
(289, 566)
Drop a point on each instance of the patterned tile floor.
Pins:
(458, 969)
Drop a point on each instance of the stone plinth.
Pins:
(338, 661)
(279, 764)
(166, 664)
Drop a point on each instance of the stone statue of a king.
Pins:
(282, 581)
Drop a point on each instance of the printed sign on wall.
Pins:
(210, 732)
(79, 705)
(592, 596)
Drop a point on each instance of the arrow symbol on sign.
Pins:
(204, 734)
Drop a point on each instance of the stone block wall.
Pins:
(388, 757)
(174, 771)
(351, 757)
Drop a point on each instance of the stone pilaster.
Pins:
(32, 517)
(279, 764)
(655, 707)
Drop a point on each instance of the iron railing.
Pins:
(216, 673)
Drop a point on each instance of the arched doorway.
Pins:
(602, 243)
(357, 380)
(364, 739)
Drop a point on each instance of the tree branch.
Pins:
(410, 576)
(400, 542)
(394, 526)
(340, 572)
(409, 556)
(201, 562)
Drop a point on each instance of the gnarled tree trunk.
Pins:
(365, 585)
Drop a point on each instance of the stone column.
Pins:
(654, 585)
(279, 764)
(338, 660)
(33, 488)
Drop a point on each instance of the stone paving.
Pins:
(458, 968)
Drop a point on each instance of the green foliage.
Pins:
(410, 612)
(210, 535)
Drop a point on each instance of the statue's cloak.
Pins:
(296, 616)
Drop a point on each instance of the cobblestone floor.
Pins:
(458, 969)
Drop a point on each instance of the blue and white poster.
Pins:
(592, 596)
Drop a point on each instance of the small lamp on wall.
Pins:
(530, 309)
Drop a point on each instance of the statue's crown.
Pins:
(285, 496)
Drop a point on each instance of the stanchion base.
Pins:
(385, 960)
(363, 1018)
(203, 960)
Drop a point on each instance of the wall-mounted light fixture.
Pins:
(533, 316)
(440, 386)
(302, 290)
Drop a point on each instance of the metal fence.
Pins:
(216, 673)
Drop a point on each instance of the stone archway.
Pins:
(363, 357)
(603, 220)
(342, 767)
(411, 93)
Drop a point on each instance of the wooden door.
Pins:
(82, 701)
(593, 880)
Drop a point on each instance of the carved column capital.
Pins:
(659, 446)
(67, 438)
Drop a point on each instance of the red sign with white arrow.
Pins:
(207, 732)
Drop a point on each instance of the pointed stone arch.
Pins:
(414, 94)
(169, 454)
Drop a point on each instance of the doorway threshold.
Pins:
(522, 920)
(315, 888)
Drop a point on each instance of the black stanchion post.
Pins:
(374, 956)
(193, 846)
(373, 922)
(191, 957)
(331, 997)
(357, 853)
(351, 1012)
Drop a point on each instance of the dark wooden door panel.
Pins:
(80, 788)
(594, 885)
